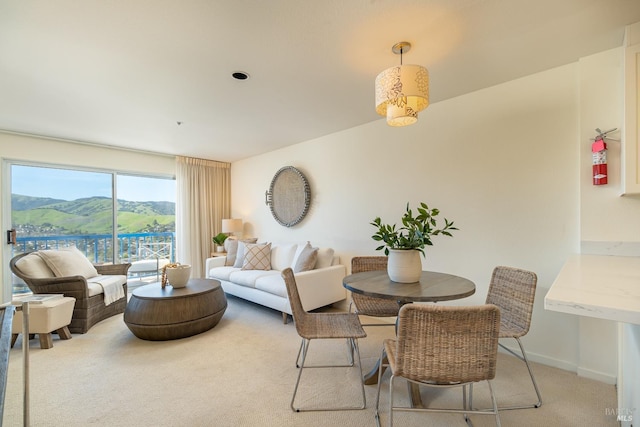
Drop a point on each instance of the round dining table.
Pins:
(432, 287)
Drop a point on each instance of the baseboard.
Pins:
(598, 376)
(566, 366)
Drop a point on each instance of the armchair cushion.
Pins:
(68, 262)
(110, 286)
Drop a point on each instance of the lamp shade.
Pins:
(402, 92)
(231, 225)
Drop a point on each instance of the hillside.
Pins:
(44, 216)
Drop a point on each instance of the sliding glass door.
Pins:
(108, 216)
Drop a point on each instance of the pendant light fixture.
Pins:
(402, 92)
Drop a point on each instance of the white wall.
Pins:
(32, 149)
(502, 162)
(606, 219)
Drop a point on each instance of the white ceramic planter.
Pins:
(404, 266)
(178, 276)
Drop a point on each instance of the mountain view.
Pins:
(40, 216)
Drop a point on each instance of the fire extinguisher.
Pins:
(599, 152)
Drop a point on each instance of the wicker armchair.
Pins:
(513, 291)
(322, 326)
(88, 310)
(369, 306)
(443, 346)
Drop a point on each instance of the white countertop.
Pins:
(602, 286)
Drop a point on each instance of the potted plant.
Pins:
(404, 244)
(219, 241)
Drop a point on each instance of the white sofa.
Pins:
(318, 287)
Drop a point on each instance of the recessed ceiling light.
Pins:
(240, 75)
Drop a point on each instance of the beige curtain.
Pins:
(203, 200)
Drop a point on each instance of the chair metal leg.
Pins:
(350, 348)
(523, 357)
(391, 400)
(303, 350)
(464, 404)
(466, 410)
(494, 403)
(381, 367)
(304, 347)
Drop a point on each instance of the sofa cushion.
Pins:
(68, 262)
(248, 277)
(257, 257)
(222, 273)
(273, 284)
(325, 258)
(282, 255)
(306, 260)
(34, 266)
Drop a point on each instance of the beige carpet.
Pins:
(242, 373)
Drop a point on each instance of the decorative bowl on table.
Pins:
(178, 275)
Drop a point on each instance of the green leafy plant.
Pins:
(219, 239)
(415, 233)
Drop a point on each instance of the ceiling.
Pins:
(155, 75)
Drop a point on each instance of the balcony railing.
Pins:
(97, 247)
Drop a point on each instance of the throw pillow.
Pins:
(242, 244)
(68, 262)
(325, 258)
(231, 248)
(282, 255)
(257, 257)
(307, 259)
(34, 266)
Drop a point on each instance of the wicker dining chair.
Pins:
(513, 291)
(369, 306)
(323, 326)
(443, 346)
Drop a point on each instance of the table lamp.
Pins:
(231, 226)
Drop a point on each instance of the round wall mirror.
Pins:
(289, 196)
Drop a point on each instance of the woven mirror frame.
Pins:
(289, 196)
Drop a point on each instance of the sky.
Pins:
(68, 184)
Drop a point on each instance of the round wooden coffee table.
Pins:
(158, 314)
